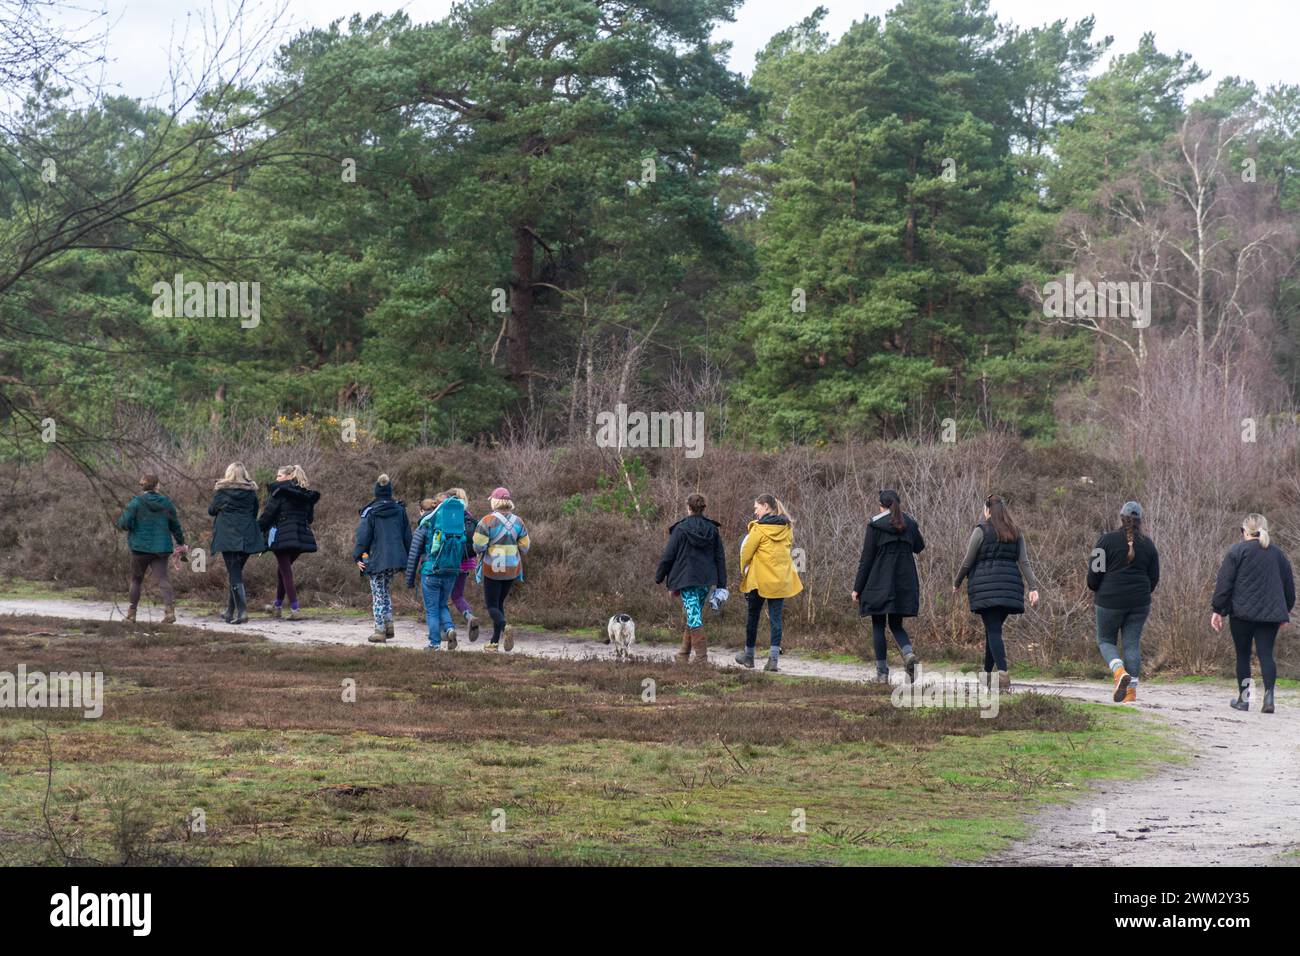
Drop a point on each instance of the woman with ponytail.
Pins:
(996, 570)
(1256, 590)
(887, 586)
(767, 574)
(287, 516)
(1123, 571)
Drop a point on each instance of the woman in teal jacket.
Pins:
(151, 522)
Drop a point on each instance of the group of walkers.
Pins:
(447, 545)
(1254, 587)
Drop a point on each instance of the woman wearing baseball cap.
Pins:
(1123, 571)
(502, 540)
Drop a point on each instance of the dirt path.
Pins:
(1236, 802)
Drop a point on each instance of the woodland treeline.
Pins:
(534, 209)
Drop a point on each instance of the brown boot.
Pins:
(169, 615)
(700, 645)
(684, 654)
(130, 613)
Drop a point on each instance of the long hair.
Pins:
(236, 474)
(889, 499)
(296, 474)
(775, 505)
(1256, 526)
(456, 493)
(1000, 518)
(1132, 526)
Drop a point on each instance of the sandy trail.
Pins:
(1236, 802)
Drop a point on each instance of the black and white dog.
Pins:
(622, 634)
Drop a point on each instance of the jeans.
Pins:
(879, 643)
(1263, 635)
(437, 592)
(494, 596)
(1125, 623)
(754, 603)
(995, 649)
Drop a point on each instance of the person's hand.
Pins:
(855, 595)
(955, 588)
(1033, 598)
(361, 565)
(1216, 621)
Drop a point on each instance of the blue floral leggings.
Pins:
(693, 603)
(381, 599)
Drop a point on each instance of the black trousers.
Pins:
(1263, 636)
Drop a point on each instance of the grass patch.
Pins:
(469, 759)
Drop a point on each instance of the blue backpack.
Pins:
(444, 544)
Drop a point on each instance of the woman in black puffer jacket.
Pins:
(235, 534)
(1255, 588)
(286, 519)
(1123, 570)
(996, 570)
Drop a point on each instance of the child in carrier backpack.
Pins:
(436, 553)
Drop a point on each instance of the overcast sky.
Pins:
(1254, 39)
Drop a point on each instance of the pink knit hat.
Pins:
(502, 493)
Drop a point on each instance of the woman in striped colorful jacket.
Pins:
(502, 541)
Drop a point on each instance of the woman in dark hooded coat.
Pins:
(235, 534)
(383, 539)
(692, 565)
(887, 586)
(286, 518)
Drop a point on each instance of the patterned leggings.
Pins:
(692, 602)
(380, 598)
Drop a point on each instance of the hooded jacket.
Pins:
(290, 510)
(1255, 584)
(384, 532)
(234, 506)
(693, 557)
(887, 582)
(765, 561)
(151, 523)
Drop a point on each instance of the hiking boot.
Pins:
(1122, 680)
(272, 609)
(388, 628)
(472, 621)
(1131, 695)
(771, 661)
(377, 636)
(169, 615)
(1004, 682)
(295, 614)
(449, 638)
(490, 647)
(700, 645)
(909, 662)
(241, 605)
(882, 675)
(746, 657)
(1241, 703)
(684, 654)
(507, 641)
(228, 615)
(1268, 703)
(130, 613)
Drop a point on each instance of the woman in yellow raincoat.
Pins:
(767, 574)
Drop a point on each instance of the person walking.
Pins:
(1256, 590)
(286, 518)
(383, 539)
(467, 566)
(501, 540)
(767, 574)
(436, 552)
(996, 570)
(887, 587)
(235, 534)
(692, 565)
(151, 523)
(1123, 571)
